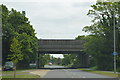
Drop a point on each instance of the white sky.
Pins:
(57, 55)
(55, 19)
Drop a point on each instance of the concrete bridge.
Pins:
(53, 46)
(63, 46)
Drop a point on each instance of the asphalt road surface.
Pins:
(53, 66)
(70, 73)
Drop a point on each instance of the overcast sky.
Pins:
(55, 19)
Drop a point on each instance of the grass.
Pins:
(19, 74)
(22, 76)
(101, 72)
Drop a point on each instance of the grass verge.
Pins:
(101, 72)
(19, 74)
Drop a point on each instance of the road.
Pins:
(53, 66)
(70, 73)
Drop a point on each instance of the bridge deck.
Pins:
(60, 45)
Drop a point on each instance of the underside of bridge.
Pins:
(60, 46)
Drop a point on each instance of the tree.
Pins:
(16, 25)
(7, 31)
(15, 48)
(99, 43)
(71, 60)
(16, 55)
(43, 60)
(47, 57)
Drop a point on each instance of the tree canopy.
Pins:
(99, 44)
(18, 37)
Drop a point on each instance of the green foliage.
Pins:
(80, 37)
(67, 59)
(43, 59)
(15, 48)
(18, 38)
(47, 57)
(71, 60)
(99, 44)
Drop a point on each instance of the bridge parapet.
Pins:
(60, 45)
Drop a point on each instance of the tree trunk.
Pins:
(15, 72)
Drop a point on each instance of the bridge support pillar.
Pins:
(84, 60)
